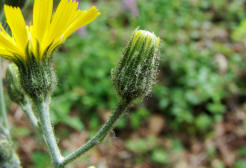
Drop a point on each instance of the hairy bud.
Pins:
(16, 3)
(15, 90)
(37, 78)
(136, 72)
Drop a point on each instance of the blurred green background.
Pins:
(194, 118)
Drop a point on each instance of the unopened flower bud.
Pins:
(16, 3)
(37, 77)
(15, 90)
(136, 72)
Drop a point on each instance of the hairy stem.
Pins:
(31, 116)
(3, 106)
(6, 145)
(42, 108)
(100, 135)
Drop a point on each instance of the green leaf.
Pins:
(159, 156)
(41, 160)
(73, 122)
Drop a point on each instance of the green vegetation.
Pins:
(201, 78)
(198, 70)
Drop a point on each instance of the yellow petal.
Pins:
(63, 17)
(42, 11)
(5, 54)
(77, 19)
(17, 25)
(7, 43)
(84, 19)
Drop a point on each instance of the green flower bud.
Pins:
(137, 70)
(16, 3)
(37, 77)
(14, 88)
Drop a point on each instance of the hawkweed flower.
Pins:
(30, 47)
(136, 72)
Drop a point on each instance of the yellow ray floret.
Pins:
(47, 31)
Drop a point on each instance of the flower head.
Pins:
(136, 72)
(30, 46)
(47, 31)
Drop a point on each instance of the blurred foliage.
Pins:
(150, 148)
(193, 82)
(41, 160)
(146, 147)
(191, 88)
(240, 164)
(143, 145)
(198, 71)
(200, 68)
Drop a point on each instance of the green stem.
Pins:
(27, 108)
(3, 106)
(100, 135)
(13, 159)
(42, 107)
(31, 116)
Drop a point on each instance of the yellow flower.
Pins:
(46, 32)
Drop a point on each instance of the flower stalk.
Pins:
(27, 108)
(101, 134)
(17, 94)
(42, 108)
(3, 106)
